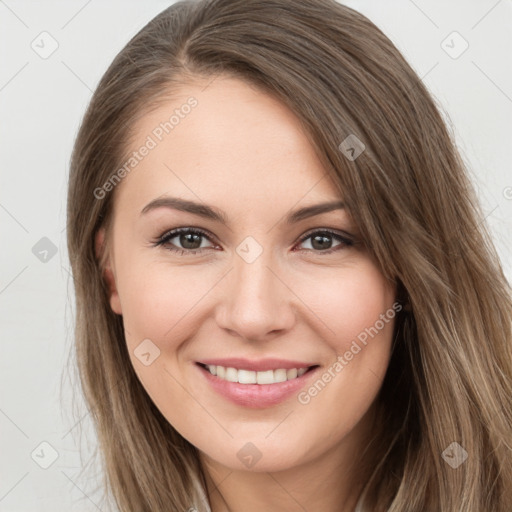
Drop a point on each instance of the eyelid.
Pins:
(335, 232)
(342, 236)
(171, 233)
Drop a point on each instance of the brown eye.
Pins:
(322, 241)
(184, 240)
(190, 240)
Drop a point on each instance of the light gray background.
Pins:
(42, 101)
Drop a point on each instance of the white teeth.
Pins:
(246, 377)
(279, 375)
(251, 377)
(291, 374)
(265, 377)
(231, 375)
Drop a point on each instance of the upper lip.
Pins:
(260, 365)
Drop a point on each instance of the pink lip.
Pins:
(257, 366)
(256, 396)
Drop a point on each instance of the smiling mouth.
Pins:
(235, 375)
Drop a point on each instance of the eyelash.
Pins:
(168, 235)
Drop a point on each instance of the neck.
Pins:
(332, 482)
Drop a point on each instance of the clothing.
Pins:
(359, 506)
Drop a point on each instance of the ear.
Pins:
(108, 273)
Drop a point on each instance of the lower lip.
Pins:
(256, 396)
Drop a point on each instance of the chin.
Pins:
(259, 457)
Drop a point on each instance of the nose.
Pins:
(257, 303)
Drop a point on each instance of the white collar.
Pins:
(359, 506)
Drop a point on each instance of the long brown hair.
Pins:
(450, 375)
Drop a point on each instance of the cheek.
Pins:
(158, 300)
(349, 303)
(357, 311)
(158, 304)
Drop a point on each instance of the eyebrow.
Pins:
(212, 213)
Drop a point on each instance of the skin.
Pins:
(243, 152)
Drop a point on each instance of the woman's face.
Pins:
(262, 287)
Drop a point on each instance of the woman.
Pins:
(286, 297)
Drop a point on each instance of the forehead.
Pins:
(223, 136)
